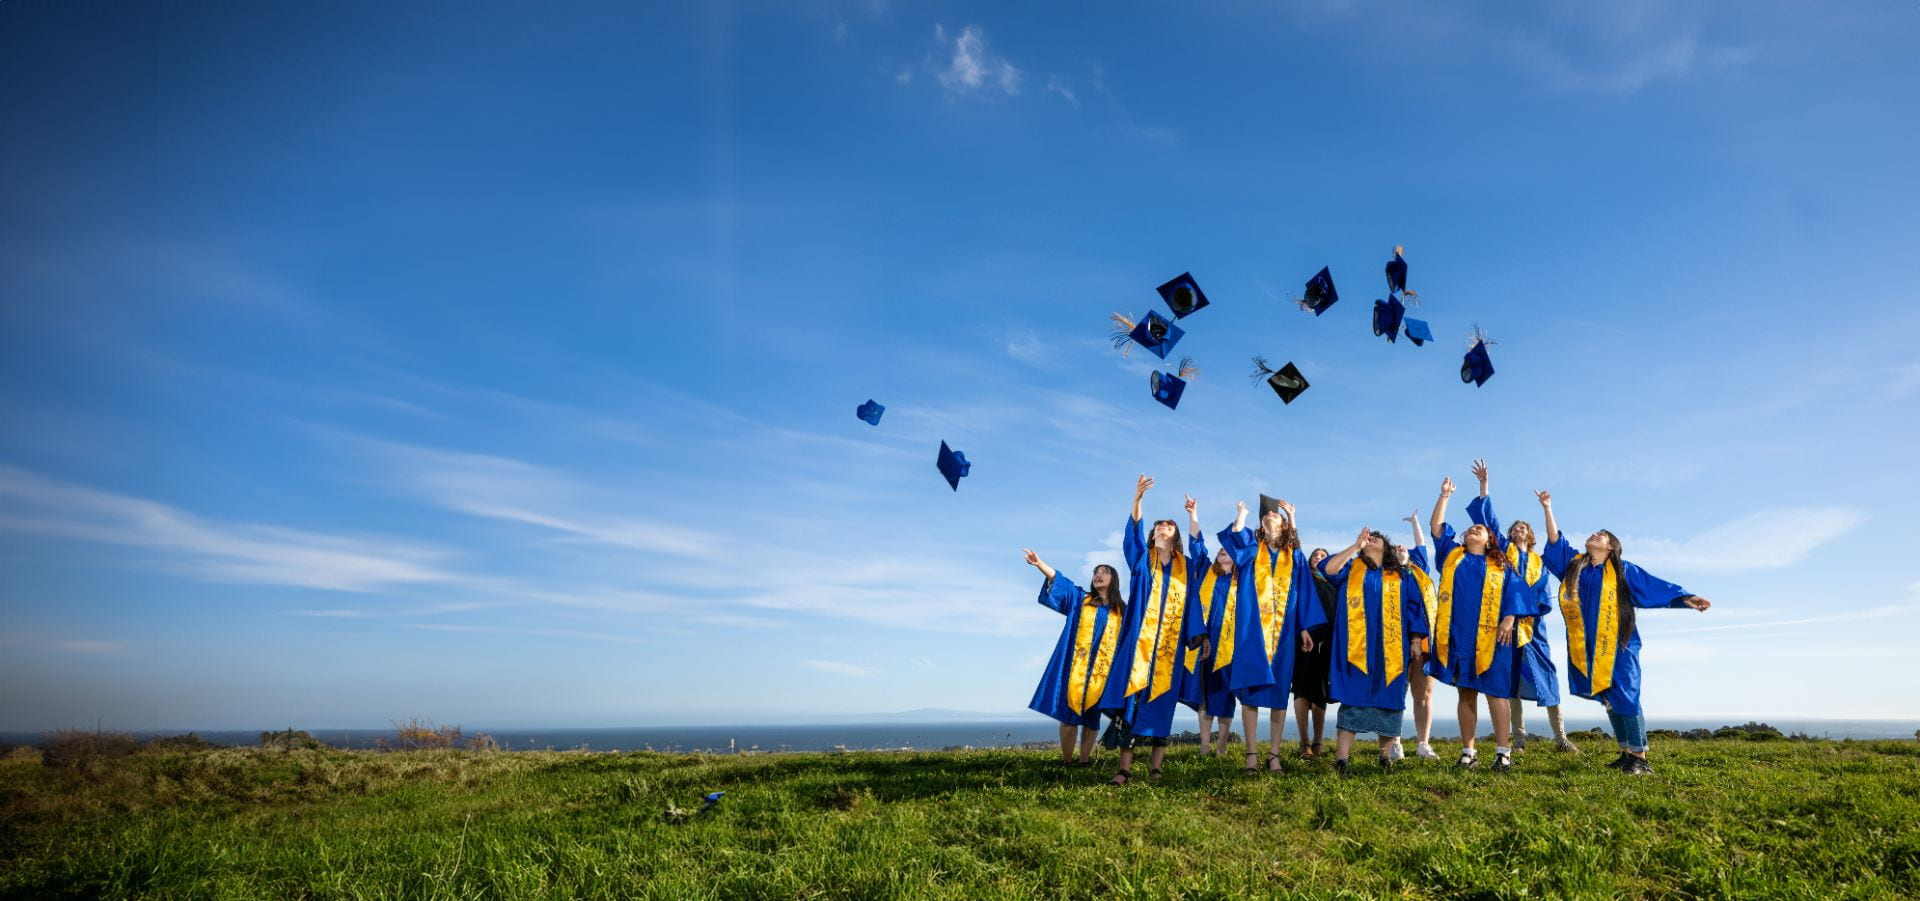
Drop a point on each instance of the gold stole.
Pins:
(1427, 597)
(1392, 638)
(1600, 675)
(1158, 621)
(1267, 578)
(1524, 625)
(1223, 654)
(1489, 613)
(1079, 693)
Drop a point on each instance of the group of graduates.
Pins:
(1260, 620)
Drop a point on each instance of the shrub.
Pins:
(419, 734)
(74, 748)
(188, 742)
(1752, 731)
(291, 740)
(481, 741)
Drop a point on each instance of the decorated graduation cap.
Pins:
(1476, 367)
(1320, 293)
(1285, 381)
(1270, 505)
(953, 464)
(1154, 332)
(1397, 273)
(870, 412)
(1387, 315)
(1418, 332)
(1168, 386)
(1183, 295)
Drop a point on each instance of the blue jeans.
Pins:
(1630, 730)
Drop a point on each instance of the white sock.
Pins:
(1469, 752)
(1503, 752)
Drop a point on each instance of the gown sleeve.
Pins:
(1059, 594)
(1649, 591)
(1413, 609)
(1515, 599)
(1418, 557)
(1480, 509)
(1240, 543)
(1444, 541)
(1134, 545)
(1558, 554)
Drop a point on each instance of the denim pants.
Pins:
(1630, 730)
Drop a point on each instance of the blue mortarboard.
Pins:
(711, 800)
(1387, 315)
(1285, 381)
(1183, 295)
(1167, 386)
(1320, 292)
(953, 464)
(1417, 331)
(1477, 367)
(870, 412)
(1397, 273)
(1154, 332)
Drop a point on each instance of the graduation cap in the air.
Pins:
(1320, 292)
(1168, 386)
(1285, 381)
(1183, 295)
(1476, 367)
(1270, 505)
(1387, 315)
(953, 464)
(1155, 332)
(1417, 331)
(870, 412)
(1397, 273)
(711, 800)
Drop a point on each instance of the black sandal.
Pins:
(1153, 774)
(1122, 777)
(1252, 770)
(1273, 762)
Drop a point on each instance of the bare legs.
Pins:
(1087, 737)
(1421, 687)
(1066, 742)
(1468, 710)
(1276, 728)
(1304, 710)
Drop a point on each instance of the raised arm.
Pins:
(1240, 518)
(1480, 473)
(1034, 561)
(1292, 517)
(1193, 519)
(1440, 505)
(1413, 519)
(1546, 510)
(1339, 561)
(1140, 487)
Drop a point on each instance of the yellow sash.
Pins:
(1524, 625)
(1223, 654)
(1392, 640)
(1160, 619)
(1600, 674)
(1270, 579)
(1081, 694)
(1427, 596)
(1489, 613)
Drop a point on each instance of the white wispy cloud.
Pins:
(974, 69)
(1767, 539)
(1056, 86)
(837, 667)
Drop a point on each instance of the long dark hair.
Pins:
(1389, 555)
(1289, 536)
(1495, 558)
(1179, 556)
(1110, 596)
(1613, 562)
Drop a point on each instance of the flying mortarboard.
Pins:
(1397, 273)
(1417, 331)
(1285, 381)
(1476, 367)
(953, 464)
(1155, 332)
(1387, 315)
(1167, 386)
(1183, 295)
(712, 799)
(1320, 292)
(870, 412)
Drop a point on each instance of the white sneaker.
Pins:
(1425, 752)
(1395, 752)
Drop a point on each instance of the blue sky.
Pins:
(499, 366)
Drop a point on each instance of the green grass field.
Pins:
(1721, 818)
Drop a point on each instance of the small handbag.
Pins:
(1119, 732)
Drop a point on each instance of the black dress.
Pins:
(1310, 668)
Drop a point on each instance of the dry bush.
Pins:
(188, 742)
(420, 734)
(481, 741)
(75, 748)
(291, 740)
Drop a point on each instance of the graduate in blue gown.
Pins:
(1599, 592)
(1215, 589)
(1378, 623)
(1539, 679)
(1275, 578)
(1419, 684)
(1147, 679)
(1474, 622)
(1076, 674)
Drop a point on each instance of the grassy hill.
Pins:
(1721, 818)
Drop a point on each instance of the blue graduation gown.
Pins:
(1539, 679)
(1502, 677)
(1346, 683)
(1259, 679)
(1060, 595)
(1154, 657)
(1644, 591)
(1205, 689)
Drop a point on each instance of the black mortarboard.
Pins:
(1183, 295)
(1320, 292)
(1168, 386)
(1397, 273)
(1285, 381)
(870, 412)
(1270, 505)
(1387, 315)
(953, 464)
(1476, 367)
(1154, 332)
(1417, 331)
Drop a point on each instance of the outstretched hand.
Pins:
(1361, 541)
(1446, 487)
(1241, 508)
(1141, 485)
(1192, 505)
(1287, 508)
(1697, 602)
(1413, 518)
(1480, 473)
(1033, 559)
(1546, 499)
